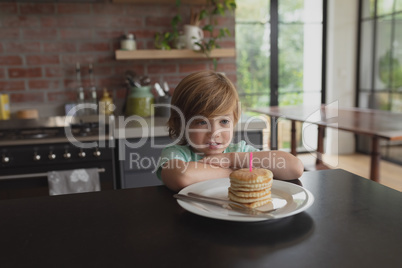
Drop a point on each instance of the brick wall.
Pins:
(40, 44)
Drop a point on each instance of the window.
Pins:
(288, 69)
(380, 64)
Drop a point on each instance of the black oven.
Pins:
(26, 155)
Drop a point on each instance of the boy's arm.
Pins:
(177, 174)
(283, 165)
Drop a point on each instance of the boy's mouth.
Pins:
(214, 145)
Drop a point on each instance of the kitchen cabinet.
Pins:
(138, 169)
(172, 54)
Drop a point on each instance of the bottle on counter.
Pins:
(128, 42)
(4, 107)
(93, 98)
(80, 90)
(106, 105)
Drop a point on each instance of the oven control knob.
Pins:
(52, 156)
(36, 157)
(97, 153)
(67, 155)
(82, 154)
(5, 159)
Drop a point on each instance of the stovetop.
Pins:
(52, 129)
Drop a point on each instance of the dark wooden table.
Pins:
(354, 222)
(373, 123)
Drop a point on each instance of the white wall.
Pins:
(341, 67)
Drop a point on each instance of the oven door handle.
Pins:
(33, 175)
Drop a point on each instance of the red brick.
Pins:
(161, 69)
(227, 43)
(191, 67)
(139, 34)
(95, 47)
(74, 58)
(9, 34)
(72, 83)
(109, 9)
(93, 22)
(42, 59)
(121, 69)
(127, 21)
(38, 97)
(69, 83)
(232, 77)
(158, 21)
(22, 47)
(108, 34)
(75, 34)
(116, 45)
(42, 8)
(11, 85)
(2, 73)
(62, 96)
(43, 84)
(60, 21)
(10, 60)
(112, 82)
(150, 10)
(104, 57)
(48, 21)
(225, 67)
(173, 80)
(54, 71)
(59, 47)
(97, 70)
(148, 45)
(20, 21)
(34, 34)
(8, 8)
(24, 72)
(74, 8)
(1, 48)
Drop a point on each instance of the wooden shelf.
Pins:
(150, 54)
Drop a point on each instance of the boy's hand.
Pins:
(220, 160)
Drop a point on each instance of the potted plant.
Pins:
(214, 8)
(206, 16)
(166, 40)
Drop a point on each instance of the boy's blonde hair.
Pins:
(204, 93)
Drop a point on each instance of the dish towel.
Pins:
(73, 181)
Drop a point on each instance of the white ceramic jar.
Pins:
(128, 43)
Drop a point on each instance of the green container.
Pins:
(140, 102)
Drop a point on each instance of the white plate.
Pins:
(287, 198)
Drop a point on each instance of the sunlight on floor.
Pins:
(359, 164)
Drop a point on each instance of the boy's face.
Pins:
(210, 136)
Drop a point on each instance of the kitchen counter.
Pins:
(121, 127)
(156, 126)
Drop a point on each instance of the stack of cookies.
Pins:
(251, 188)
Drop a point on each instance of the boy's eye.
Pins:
(225, 121)
(201, 122)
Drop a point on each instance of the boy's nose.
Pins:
(214, 129)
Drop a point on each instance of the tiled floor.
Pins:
(359, 164)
